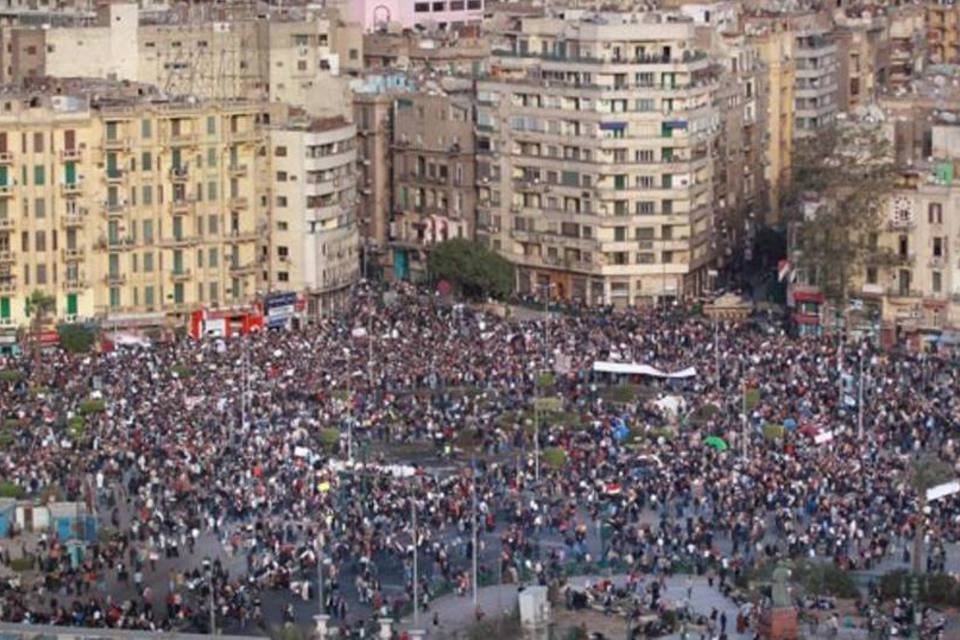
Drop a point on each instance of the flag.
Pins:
(784, 268)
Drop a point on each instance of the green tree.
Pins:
(39, 306)
(77, 337)
(841, 179)
(474, 270)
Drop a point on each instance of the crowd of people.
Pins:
(215, 478)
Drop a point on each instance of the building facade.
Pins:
(594, 172)
(314, 241)
(118, 205)
(434, 187)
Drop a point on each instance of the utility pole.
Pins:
(320, 597)
(476, 538)
(416, 573)
(860, 400)
(743, 400)
(716, 347)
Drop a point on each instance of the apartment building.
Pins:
(907, 36)
(943, 31)
(594, 172)
(463, 51)
(774, 46)
(434, 187)
(373, 113)
(815, 92)
(296, 56)
(314, 241)
(118, 202)
(378, 15)
(863, 59)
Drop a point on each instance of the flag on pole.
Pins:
(784, 269)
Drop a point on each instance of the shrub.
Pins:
(660, 432)
(546, 380)
(330, 438)
(11, 423)
(182, 371)
(93, 405)
(825, 579)
(555, 458)
(773, 431)
(10, 375)
(22, 564)
(11, 490)
(6, 439)
(76, 427)
(934, 588)
(621, 394)
(706, 412)
(752, 398)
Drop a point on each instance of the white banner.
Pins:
(943, 490)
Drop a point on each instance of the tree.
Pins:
(474, 270)
(841, 179)
(39, 305)
(76, 337)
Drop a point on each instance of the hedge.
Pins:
(76, 427)
(329, 437)
(10, 375)
(936, 589)
(773, 431)
(6, 439)
(11, 490)
(825, 579)
(22, 564)
(91, 406)
(182, 371)
(555, 458)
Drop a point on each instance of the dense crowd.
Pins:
(209, 465)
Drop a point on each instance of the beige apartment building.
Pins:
(863, 59)
(774, 46)
(434, 188)
(121, 203)
(943, 31)
(297, 56)
(594, 173)
(314, 241)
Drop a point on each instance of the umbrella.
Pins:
(717, 443)
(790, 424)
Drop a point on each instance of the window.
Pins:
(439, 6)
(114, 297)
(39, 208)
(283, 276)
(39, 175)
(936, 281)
(146, 161)
(473, 5)
(301, 65)
(214, 292)
(213, 258)
(281, 225)
(146, 194)
(619, 234)
(645, 208)
(41, 274)
(213, 225)
(211, 125)
(148, 296)
(281, 201)
(935, 213)
(38, 143)
(40, 241)
(211, 157)
(421, 7)
(280, 152)
(212, 191)
(148, 262)
(871, 275)
(281, 176)
(938, 247)
(146, 128)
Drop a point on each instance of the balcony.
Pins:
(241, 236)
(119, 244)
(6, 191)
(75, 285)
(180, 275)
(179, 241)
(72, 255)
(247, 135)
(182, 205)
(182, 138)
(238, 170)
(244, 269)
(179, 174)
(8, 286)
(238, 202)
(117, 144)
(70, 155)
(115, 280)
(71, 189)
(114, 209)
(114, 176)
(73, 220)
(7, 256)
(6, 157)
(6, 224)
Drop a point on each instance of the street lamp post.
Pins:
(476, 538)
(860, 401)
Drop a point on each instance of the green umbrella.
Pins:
(717, 443)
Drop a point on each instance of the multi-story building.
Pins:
(377, 15)
(594, 171)
(863, 58)
(117, 201)
(815, 92)
(775, 46)
(434, 187)
(373, 113)
(943, 31)
(314, 247)
(907, 45)
(464, 51)
(294, 57)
